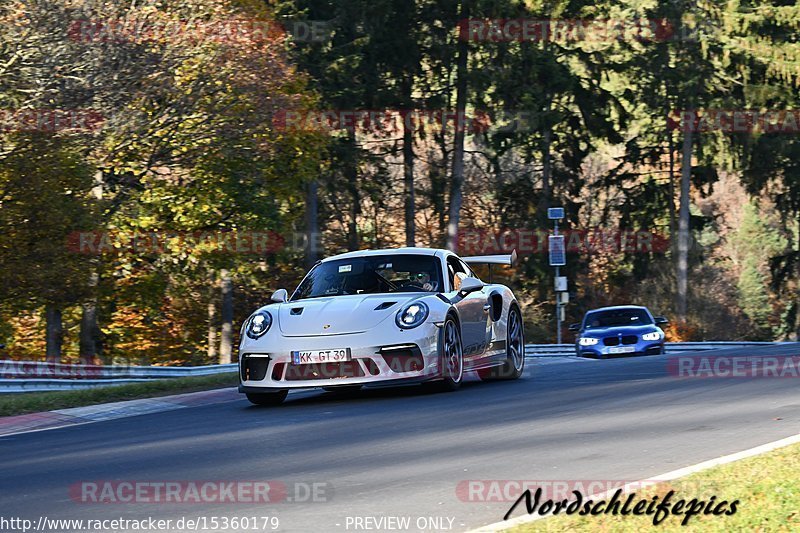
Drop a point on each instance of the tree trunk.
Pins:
(547, 143)
(437, 174)
(88, 336)
(87, 342)
(456, 196)
(53, 333)
(408, 183)
(352, 184)
(312, 223)
(226, 335)
(796, 336)
(408, 167)
(671, 202)
(682, 272)
(212, 317)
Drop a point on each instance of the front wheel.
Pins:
(267, 398)
(515, 351)
(451, 358)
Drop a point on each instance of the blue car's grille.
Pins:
(615, 341)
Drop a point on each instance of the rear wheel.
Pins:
(515, 351)
(451, 358)
(267, 398)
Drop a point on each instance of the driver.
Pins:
(423, 280)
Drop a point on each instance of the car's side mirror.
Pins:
(280, 296)
(662, 320)
(469, 285)
(575, 327)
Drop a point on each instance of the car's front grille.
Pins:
(372, 367)
(346, 369)
(403, 358)
(616, 341)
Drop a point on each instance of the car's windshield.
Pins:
(372, 275)
(617, 317)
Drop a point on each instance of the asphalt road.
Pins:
(402, 453)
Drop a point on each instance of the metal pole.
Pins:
(558, 302)
(558, 314)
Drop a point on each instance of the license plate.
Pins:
(622, 349)
(308, 357)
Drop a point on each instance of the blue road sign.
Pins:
(558, 255)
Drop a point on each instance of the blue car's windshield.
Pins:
(372, 275)
(617, 317)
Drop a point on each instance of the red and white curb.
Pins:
(13, 425)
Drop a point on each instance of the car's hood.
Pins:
(619, 330)
(336, 315)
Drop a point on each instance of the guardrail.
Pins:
(41, 369)
(29, 376)
(17, 375)
(564, 350)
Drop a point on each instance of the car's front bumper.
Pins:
(399, 355)
(601, 351)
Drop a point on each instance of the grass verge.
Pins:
(34, 402)
(767, 487)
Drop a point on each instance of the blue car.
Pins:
(618, 331)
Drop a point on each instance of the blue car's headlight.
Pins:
(258, 324)
(588, 341)
(412, 315)
(654, 336)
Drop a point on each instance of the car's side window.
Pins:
(466, 269)
(454, 266)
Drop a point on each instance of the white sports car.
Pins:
(381, 317)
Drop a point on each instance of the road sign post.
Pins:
(558, 258)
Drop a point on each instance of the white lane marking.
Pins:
(124, 409)
(669, 476)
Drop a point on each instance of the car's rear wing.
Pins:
(508, 259)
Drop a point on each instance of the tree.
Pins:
(767, 31)
(44, 194)
(188, 142)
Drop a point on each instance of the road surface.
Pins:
(402, 453)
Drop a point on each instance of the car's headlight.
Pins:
(654, 336)
(258, 324)
(588, 341)
(412, 315)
